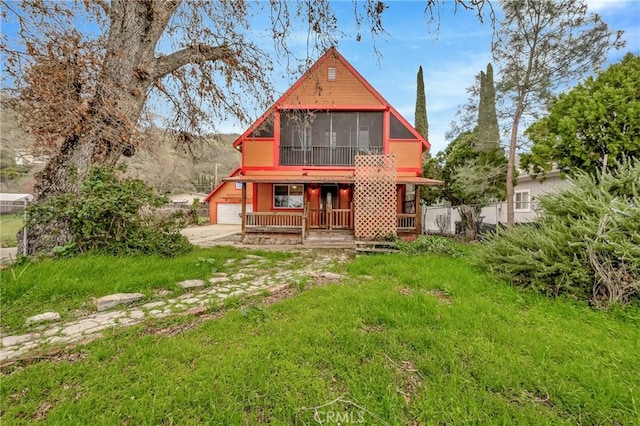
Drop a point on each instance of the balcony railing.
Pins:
(323, 155)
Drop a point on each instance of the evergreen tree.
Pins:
(592, 126)
(421, 122)
(473, 166)
(487, 130)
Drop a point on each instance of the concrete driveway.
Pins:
(203, 236)
(210, 235)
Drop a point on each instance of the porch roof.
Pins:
(323, 179)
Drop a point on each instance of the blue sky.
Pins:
(450, 56)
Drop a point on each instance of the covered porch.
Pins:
(318, 208)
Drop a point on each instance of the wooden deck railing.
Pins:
(274, 220)
(341, 219)
(331, 219)
(406, 221)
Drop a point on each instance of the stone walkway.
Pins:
(248, 276)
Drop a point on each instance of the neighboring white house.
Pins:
(526, 193)
(12, 203)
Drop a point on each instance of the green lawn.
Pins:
(403, 340)
(67, 285)
(9, 227)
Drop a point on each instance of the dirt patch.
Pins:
(409, 377)
(170, 331)
(405, 291)
(42, 411)
(372, 328)
(442, 296)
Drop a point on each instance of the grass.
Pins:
(67, 285)
(9, 227)
(403, 340)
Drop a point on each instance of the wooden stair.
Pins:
(364, 246)
(325, 238)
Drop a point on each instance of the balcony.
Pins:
(323, 155)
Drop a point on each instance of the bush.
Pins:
(431, 244)
(586, 244)
(112, 215)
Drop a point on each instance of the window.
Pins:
(331, 73)
(522, 201)
(265, 129)
(302, 130)
(398, 130)
(287, 196)
(238, 185)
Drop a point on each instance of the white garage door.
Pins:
(229, 213)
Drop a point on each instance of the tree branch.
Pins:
(198, 53)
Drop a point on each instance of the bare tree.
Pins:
(540, 46)
(88, 72)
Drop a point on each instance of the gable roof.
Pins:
(234, 172)
(331, 53)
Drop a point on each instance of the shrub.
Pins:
(112, 215)
(431, 244)
(586, 244)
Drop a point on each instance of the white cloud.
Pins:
(604, 5)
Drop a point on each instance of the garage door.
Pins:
(229, 213)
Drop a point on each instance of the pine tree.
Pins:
(422, 125)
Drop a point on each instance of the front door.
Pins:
(328, 203)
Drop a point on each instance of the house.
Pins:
(330, 157)
(13, 203)
(225, 201)
(525, 196)
(528, 189)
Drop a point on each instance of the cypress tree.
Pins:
(488, 133)
(422, 125)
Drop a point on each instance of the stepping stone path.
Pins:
(244, 279)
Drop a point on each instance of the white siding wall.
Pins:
(497, 212)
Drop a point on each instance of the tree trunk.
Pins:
(103, 134)
(511, 162)
(468, 216)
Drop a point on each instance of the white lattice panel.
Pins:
(374, 196)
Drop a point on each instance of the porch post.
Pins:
(305, 205)
(418, 211)
(244, 208)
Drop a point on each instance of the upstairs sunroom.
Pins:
(329, 138)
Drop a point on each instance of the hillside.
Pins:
(162, 160)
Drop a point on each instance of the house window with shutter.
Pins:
(331, 74)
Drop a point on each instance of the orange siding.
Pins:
(344, 201)
(258, 153)
(265, 197)
(408, 153)
(227, 193)
(317, 90)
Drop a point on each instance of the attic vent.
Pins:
(331, 74)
